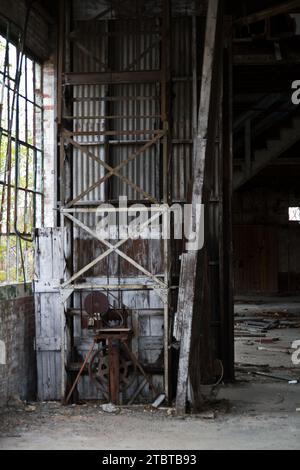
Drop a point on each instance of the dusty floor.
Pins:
(255, 413)
(253, 349)
(251, 415)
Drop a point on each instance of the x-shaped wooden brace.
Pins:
(113, 249)
(112, 171)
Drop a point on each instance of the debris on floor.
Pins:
(110, 408)
(264, 337)
(275, 377)
(275, 349)
(159, 401)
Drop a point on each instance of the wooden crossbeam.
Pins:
(101, 13)
(111, 78)
(85, 51)
(114, 171)
(111, 133)
(117, 251)
(104, 255)
(142, 55)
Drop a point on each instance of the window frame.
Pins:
(16, 248)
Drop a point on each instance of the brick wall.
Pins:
(17, 333)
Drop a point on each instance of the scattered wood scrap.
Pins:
(254, 327)
(267, 340)
(276, 377)
(275, 349)
(159, 400)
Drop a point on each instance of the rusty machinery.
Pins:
(112, 367)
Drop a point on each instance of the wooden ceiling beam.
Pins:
(286, 7)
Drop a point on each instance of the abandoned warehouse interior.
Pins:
(182, 115)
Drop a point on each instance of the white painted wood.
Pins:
(49, 267)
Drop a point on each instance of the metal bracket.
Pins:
(65, 294)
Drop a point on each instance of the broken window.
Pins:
(21, 156)
(294, 214)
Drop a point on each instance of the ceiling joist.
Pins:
(287, 7)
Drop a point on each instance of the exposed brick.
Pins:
(17, 330)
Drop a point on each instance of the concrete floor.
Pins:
(254, 413)
(261, 416)
(258, 304)
(252, 350)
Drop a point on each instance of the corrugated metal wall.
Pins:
(117, 45)
(131, 45)
(89, 55)
(126, 45)
(127, 41)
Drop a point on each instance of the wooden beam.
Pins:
(269, 12)
(227, 318)
(130, 260)
(165, 150)
(107, 78)
(248, 153)
(195, 78)
(203, 141)
(105, 255)
(113, 171)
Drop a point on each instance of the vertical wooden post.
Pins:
(63, 325)
(64, 65)
(165, 115)
(114, 372)
(60, 110)
(228, 288)
(248, 163)
(195, 80)
(204, 141)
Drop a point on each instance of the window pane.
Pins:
(294, 214)
(22, 120)
(30, 123)
(30, 77)
(16, 255)
(38, 85)
(23, 79)
(3, 151)
(12, 63)
(2, 52)
(3, 259)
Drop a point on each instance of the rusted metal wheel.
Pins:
(96, 303)
(99, 370)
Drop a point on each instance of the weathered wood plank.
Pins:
(48, 271)
(188, 279)
(109, 78)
